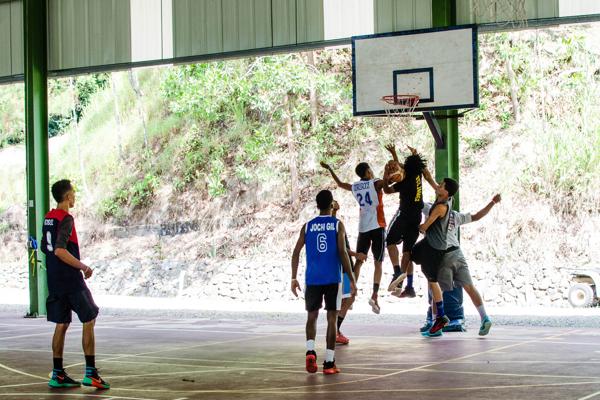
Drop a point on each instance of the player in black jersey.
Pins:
(67, 290)
(404, 227)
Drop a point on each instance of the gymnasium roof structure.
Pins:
(98, 35)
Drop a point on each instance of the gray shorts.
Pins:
(454, 271)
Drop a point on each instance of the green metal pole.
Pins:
(36, 142)
(446, 159)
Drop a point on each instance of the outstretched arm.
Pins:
(426, 173)
(296, 260)
(392, 149)
(437, 212)
(384, 184)
(343, 185)
(429, 179)
(485, 210)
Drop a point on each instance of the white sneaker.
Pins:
(374, 306)
(396, 282)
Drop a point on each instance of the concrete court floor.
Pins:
(240, 357)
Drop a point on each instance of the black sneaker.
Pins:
(440, 323)
(396, 281)
(60, 379)
(408, 292)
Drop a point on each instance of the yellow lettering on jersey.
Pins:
(419, 194)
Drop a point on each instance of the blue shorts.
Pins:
(346, 291)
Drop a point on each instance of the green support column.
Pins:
(446, 159)
(36, 141)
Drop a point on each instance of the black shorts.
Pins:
(374, 240)
(314, 295)
(59, 307)
(429, 258)
(404, 228)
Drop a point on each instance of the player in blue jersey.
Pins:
(326, 256)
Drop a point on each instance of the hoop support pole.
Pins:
(435, 129)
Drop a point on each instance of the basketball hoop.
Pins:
(400, 105)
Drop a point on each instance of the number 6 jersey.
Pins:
(371, 205)
(323, 265)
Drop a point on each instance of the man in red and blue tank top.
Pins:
(67, 290)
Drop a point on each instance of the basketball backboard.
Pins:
(439, 65)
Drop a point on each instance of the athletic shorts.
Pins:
(454, 271)
(59, 308)
(429, 258)
(404, 228)
(315, 294)
(346, 290)
(374, 240)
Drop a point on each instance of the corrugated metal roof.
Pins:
(110, 34)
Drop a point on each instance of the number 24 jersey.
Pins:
(371, 205)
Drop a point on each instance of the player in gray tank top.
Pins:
(430, 250)
(437, 234)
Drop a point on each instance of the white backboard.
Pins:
(439, 65)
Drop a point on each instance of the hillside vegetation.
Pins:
(220, 160)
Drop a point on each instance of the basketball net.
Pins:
(511, 12)
(400, 105)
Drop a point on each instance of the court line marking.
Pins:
(208, 371)
(426, 366)
(311, 388)
(463, 338)
(23, 336)
(272, 391)
(367, 366)
(225, 368)
(179, 348)
(125, 355)
(346, 367)
(590, 396)
(374, 365)
(507, 374)
(456, 338)
(312, 392)
(403, 371)
(16, 371)
(100, 396)
(22, 384)
(23, 328)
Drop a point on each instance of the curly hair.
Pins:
(414, 165)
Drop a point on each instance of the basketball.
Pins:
(394, 171)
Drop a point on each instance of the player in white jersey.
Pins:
(368, 192)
